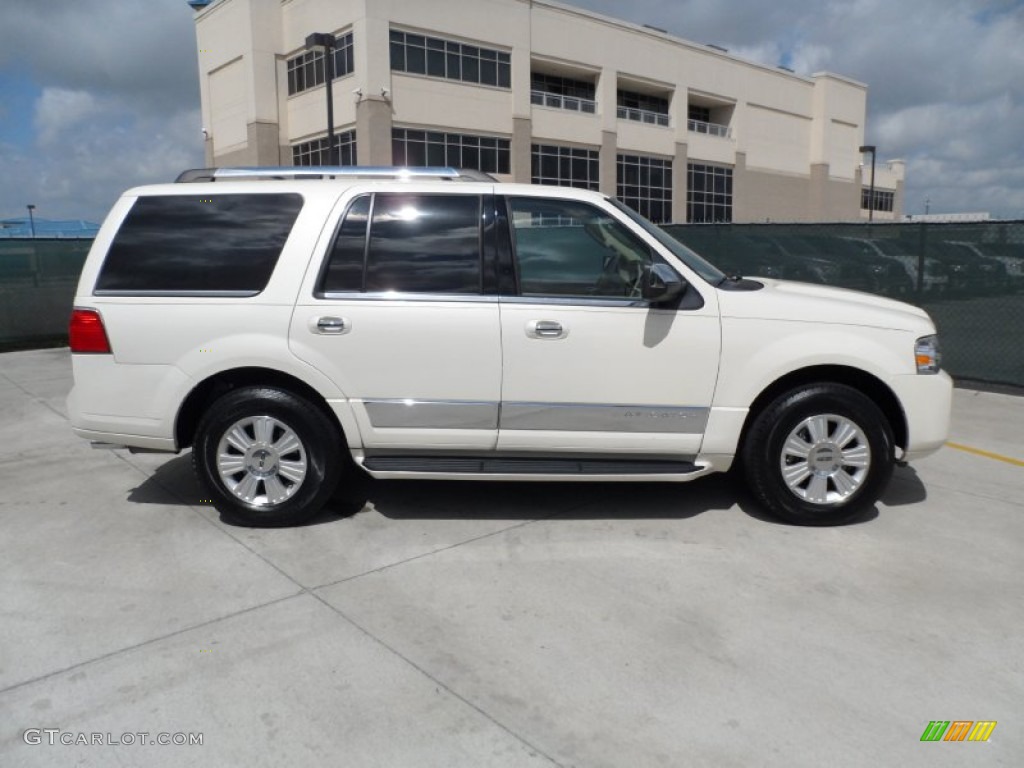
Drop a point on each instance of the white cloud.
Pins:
(60, 110)
(82, 167)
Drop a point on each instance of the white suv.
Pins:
(418, 324)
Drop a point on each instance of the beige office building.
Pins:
(532, 90)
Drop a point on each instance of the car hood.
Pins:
(808, 303)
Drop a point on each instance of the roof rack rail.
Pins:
(331, 171)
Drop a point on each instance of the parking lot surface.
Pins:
(502, 624)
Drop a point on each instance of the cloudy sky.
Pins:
(100, 95)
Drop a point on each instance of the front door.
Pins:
(589, 366)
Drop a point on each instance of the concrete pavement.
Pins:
(470, 624)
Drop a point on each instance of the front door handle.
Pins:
(546, 329)
(331, 325)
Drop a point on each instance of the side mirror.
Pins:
(661, 284)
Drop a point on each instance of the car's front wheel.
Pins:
(267, 456)
(819, 454)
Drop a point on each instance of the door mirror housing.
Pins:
(661, 284)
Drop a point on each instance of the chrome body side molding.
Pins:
(565, 417)
(557, 417)
(432, 414)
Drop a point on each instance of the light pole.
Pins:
(871, 193)
(322, 41)
(31, 218)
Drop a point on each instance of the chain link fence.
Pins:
(968, 276)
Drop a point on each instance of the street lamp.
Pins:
(324, 42)
(871, 194)
(31, 218)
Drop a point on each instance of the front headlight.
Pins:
(927, 354)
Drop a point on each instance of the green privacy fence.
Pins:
(969, 277)
(37, 285)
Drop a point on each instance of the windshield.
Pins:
(707, 271)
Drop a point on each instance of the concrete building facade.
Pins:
(532, 90)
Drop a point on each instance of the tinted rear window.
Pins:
(205, 243)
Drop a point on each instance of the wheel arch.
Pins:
(207, 391)
(866, 383)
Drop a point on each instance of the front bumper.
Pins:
(927, 401)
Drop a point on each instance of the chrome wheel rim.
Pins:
(261, 461)
(825, 459)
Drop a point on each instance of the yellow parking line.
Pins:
(987, 454)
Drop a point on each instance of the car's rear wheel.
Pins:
(820, 454)
(268, 456)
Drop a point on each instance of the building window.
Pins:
(708, 193)
(315, 152)
(884, 200)
(562, 93)
(307, 69)
(642, 108)
(645, 185)
(698, 113)
(699, 121)
(450, 60)
(413, 148)
(565, 166)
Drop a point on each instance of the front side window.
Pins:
(572, 249)
(416, 243)
(207, 243)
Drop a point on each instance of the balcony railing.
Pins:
(557, 101)
(711, 129)
(643, 116)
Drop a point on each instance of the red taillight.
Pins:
(86, 332)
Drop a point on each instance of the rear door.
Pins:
(404, 319)
(589, 366)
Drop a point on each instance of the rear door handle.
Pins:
(546, 329)
(332, 325)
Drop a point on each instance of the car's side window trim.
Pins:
(325, 262)
(366, 241)
(406, 296)
(508, 272)
(490, 233)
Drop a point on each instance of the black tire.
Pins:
(287, 498)
(870, 452)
